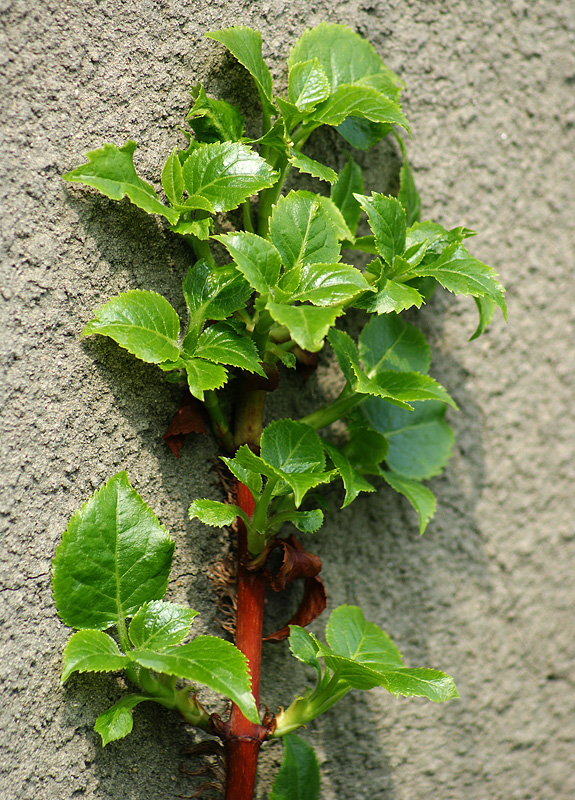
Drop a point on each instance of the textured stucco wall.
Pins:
(488, 593)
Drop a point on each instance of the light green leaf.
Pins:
(200, 228)
(160, 624)
(214, 120)
(349, 634)
(298, 777)
(141, 322)
(420, 497)
(214, 513)
(251, 479)
(203, 376)
(408, 387)
(223, 175)
(420, 441)
(309, 166)
(307, 85)
(117, 721)
(114, 556)
(308, 326)
(290, 114)
(302, 232)
(92, 651)
(246, 45)
(349, 183)
(209, 661)
(276, 138)
(391, 343)
(353, 482)
(486, 309)
(256, 258)
(172, 181)
(461, 273)
(223, 345)
(111, 171)
(430, 683)
(390, 297)
(408, 195)
(335, 216)
(304, 521)
(387, 221)
(329, 284)
(292, 446)
(214, 292)
(358, 101)
(304, 647)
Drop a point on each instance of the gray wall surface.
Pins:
(487, 595)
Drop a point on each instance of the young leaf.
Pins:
(200, 228)
(308, 326)
(292, 446)
(387, 221)
(203, 376)
(306, 164)
(141, 322)
(420, 441)
(92, 651)
(430, 683)
(117, 721)
(209, 661)
(256, 258)
(246, 45)
(390, 297)
(160, 624)
(214, 513)
(114, 556)
(220, 176)
(214, 120)
(329, 284)
(408, 195)
(304, 521)
(111, 171)
(349, 634)
(391, 343)
(486, 309)
(358, 101)
(353, 482)
(298, 777)
(349, 183)
(172, 181)
(223, 345)
(251, 479)
(420, 497)
(213, 292)
(308, 85)
(304, 647)
(302, 232)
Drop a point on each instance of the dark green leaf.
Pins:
(172, 181)
(389, 342)
(350, 182)
(308, 326)
(214, 120)
(298, 777)
(223, 345)
(420, 497)
(144, 323)
(302, 232)
(117, 722)
(486, 310)
(361, 133)
(387, 221)
(223, 175)
(92, 651)
(307, 85)
(420, 441)
(366, 450)
(214, 513)
(256, 258)
(246, 45)
(353, 482)
(114, 556)
(214, 292)
(309, 166)
(111, 171)
(160, 624)
(211, 662)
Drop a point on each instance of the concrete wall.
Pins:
(487, 594)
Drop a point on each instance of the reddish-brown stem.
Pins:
(244, 738)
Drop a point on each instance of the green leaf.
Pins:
(461, 273)
(304, 521)
(308, 326)
(330, 284)
(391, 297)
(246, 45)
(203, 376)
(141, 322)
(214, 292)
(361, 133)
(200, 228)
(486, 310)
(391, 343)
(307, 85)
(172, 181)
(387, 221)
(349, 634)
(220, 176)
(251, 479)
(114, 556)
(353, 482)
(420, 497)
(358, 101)
(349, 183)
(256, 258)
(160, 624)
(214, 120)
(209, 661)
(309, 166)
(292, 446)
(335, 216)
(420, 441)
(111, 171)
(276, 138)
(214, 513)
(117, 721)
(430, 683)
(298, 777)
(92, 651)
(223, 345)
(302, 232)
(304, 647)
(366, 450)
(408, 195)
